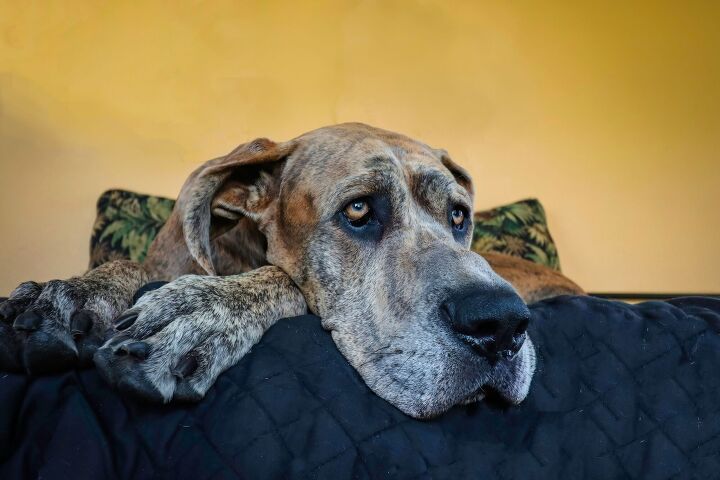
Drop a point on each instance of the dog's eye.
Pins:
(457, 217)
(357, 212)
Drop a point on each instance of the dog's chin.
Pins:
(464, 381)
(510, 381)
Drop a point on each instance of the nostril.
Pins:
(487, 328)
(521, 327)
(516, 341)
(481, 336)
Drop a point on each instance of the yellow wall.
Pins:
(609, 113)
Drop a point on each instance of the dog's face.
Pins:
(375, 230)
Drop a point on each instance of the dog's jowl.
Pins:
(366, 228)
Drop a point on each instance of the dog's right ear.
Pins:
(241, 184)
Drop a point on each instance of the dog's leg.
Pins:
(532, 281)
(61, 323)
(177, 339)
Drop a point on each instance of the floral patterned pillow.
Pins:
(519, 229)
(127, 223)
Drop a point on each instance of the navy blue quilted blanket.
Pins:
(621, 391)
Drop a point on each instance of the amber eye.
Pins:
(356, 210)
(458, 218)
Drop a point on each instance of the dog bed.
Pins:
(620, 391)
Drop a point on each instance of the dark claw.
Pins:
(148, 287)
(125, 321)
(122, 374)
(116, 340)
(28, 322)
(7, 311)
(45, 353)
(80, 324)
(139, 350)
(185, 367)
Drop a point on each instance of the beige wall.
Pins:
(609, 113)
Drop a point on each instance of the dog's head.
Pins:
(375, 228)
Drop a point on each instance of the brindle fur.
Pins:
(278, 204)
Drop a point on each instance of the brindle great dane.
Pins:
(366, 228)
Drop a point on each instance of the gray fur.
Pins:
(215, 319)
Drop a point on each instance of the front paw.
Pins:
(174, 342)
(53, 326)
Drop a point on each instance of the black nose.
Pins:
(491, 321)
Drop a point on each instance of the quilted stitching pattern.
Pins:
(621, 392)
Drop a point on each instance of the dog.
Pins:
(366, 228)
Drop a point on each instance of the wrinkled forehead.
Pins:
(355, 159)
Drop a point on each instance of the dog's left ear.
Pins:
(461, 175)
(222, 191)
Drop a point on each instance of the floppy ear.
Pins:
(461, 175)
(222, 191)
